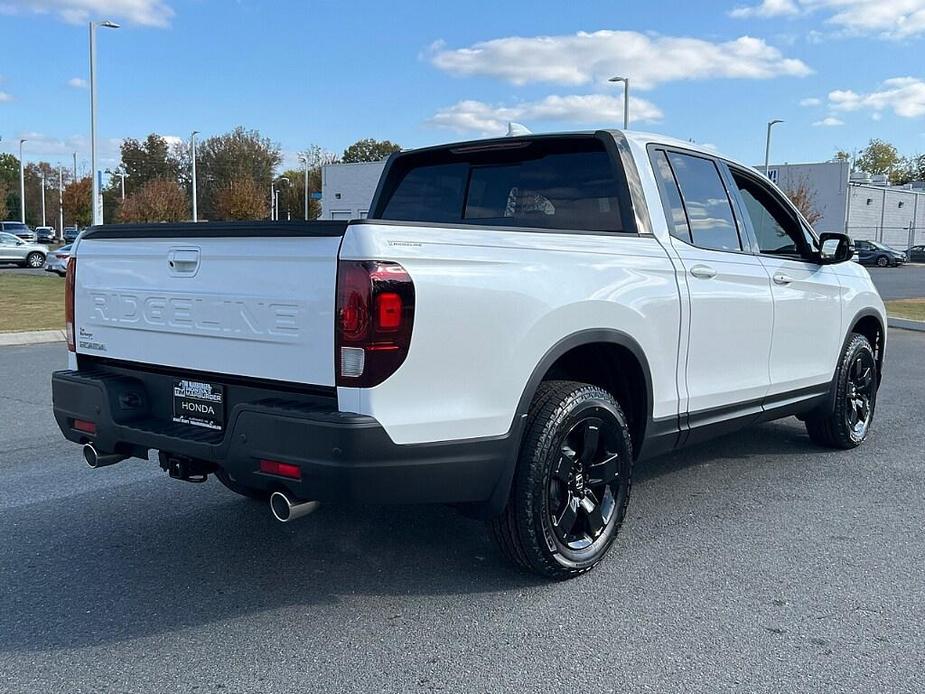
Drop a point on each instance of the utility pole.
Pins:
(95, 186)
(193, 147)
(61, 202)
(75, 166)
(22, 185)
(42, 175)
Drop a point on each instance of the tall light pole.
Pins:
(193, 148)
(22, 185)
(42, 176)
(767, 145)
(61, 201)
(121, 174)
(95, 185)
(288, 183)
(626, 99)
(304, 159)
(75, 166)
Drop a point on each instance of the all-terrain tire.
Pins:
(532, 530)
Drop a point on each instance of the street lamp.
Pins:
(95, 185)
(193, 154)
(120, 174)
(61, 200)
(626, 99)
(42, 176)
(22, 185)
(276, 198)
(304, 159)
(767, 145)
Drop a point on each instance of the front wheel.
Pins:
(882, 261)
(35, 260)
(572, 483)
(856, 383)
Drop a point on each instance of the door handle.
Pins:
(781, 278)
(703, 272)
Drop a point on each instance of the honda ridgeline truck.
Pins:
(515, 324)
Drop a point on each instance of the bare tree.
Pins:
(803, 195)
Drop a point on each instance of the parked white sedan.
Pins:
(14, 250)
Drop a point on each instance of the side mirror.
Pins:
(835, 248)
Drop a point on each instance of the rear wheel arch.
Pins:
(577, 357)
(605, 357)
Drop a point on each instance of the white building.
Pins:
(347, 189)
(863, 206)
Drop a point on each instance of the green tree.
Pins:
(9, 186)
(879, 157)
(146, 160)
(234, 167)
(369, 149)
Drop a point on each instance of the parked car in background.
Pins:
(44, 234)
(57, 260)
(881, 255)
(916, 254)
(19, 230)
(14, 250)
(70, 234)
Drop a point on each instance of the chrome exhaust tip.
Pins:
(95, 459)
(285, 509)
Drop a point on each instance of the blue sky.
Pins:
(839, 72)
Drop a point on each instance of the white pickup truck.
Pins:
(514, 325)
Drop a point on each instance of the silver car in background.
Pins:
(57, 260)
(14, 250)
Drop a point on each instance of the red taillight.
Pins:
(69, 280)
(375, 314)
(85, 426)
(274, 467)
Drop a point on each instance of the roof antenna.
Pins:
(517, 129)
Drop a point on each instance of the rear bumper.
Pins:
(342, 456)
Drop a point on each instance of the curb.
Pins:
(906, 324)
(36, 337)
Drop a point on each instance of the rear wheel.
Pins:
(238, 488)
(35, 260)
(572, 482)
(856, 382)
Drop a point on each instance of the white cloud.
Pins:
(767, 8)
(41, 146)
(887, 18)
(145, 12)
(904, 96)
(591, 109)
(77, 83)
(829, 122)
(581, 58)
(811, 101)
(5, 96)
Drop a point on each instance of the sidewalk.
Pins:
(31, 338)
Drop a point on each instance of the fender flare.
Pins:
(502, 490)
(863, 313)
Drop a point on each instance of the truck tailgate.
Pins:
(256, 306)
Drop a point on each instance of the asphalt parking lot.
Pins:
(754, 563)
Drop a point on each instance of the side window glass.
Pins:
(706, 202)
(677, 220)
(778, 231)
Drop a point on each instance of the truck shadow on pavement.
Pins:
(156, 556)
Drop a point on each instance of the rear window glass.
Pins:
(554, 184)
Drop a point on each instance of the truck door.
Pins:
(728, 292)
